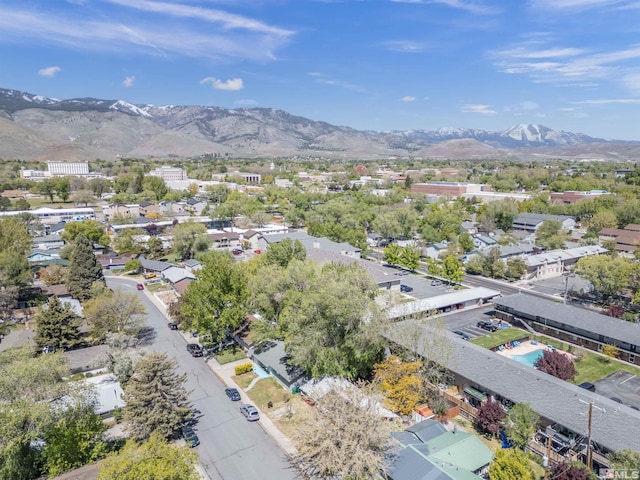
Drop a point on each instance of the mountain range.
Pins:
(40, 128)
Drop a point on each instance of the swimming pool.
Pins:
(528, 359)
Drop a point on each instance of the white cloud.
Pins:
(632, 82)
(609, 101)
(478, 108)
(574, 4)
(48, 71)
(404, 46)
(471, 7)
(408, 98)
(128, 81)
(525, 106)
(232, 85)
(232, 36)
(322, 79)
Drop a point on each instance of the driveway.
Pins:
(230, 447)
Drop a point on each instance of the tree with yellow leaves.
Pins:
(401, 384)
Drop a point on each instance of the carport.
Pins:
(443, 303)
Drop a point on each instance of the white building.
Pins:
(169, 174)
(54, 215)
(60, 169)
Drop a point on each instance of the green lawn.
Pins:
(245, 379)
(500, 337)
(265, 391)
(230, 354)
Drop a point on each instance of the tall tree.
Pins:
(510, 464)
(63, 188)
(57, 327)
(625, 460)
(392, 254)
(557, 364)
(452, 269)
(217, 301)
(93, 230)
(410, 258)
(154, 459)
(607, 275)
(84, 269)
(283, 252)
(155, 185)
(400, 382)
(572, 471)
(346, 438)
(15, 272)
(466, 242)
(520, 424)
(114, 311)
(190, 238)
(156, 399)
(550, 235)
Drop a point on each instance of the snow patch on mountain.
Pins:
(126, 107)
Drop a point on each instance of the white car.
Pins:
(250, 412)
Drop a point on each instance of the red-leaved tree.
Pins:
(489, 417)
(557, 364)
(566, 471)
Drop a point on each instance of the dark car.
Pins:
(488, 326)
(250, 412)
(406, 288)
(588, 386)
(237, 251)
(463, 335)
(172, 326)
(194, 349)
(190, 436)
(233, 394)
(616, 399)
(140, 286)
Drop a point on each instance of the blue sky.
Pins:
(371, 64)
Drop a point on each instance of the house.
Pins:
(48, 242)
(196, 205)
(64, 296)
(38, 257)
(121, 210)
(148, 207)
(271, 356)
(427, 450)
(154, 266)
(250, 236)
(114, 262)
(435, 250)
(482, 241)
(192, 265)
(627, 239)
(311, 243)
(86, 359)
(225, 239)
(572, 196)
(468, 227)
(554, 263)
(175, 274)
(531, 222)
(109, 393)
(181, 285)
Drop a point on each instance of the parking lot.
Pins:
(622, 385)
(421, 285)
(556, 285)
(466, 320)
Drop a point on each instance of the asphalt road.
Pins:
(230, 447)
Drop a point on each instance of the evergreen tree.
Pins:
(156, 398)
(84, 269)
(57, 327)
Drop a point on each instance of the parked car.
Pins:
(616, 399)
(233, 394)
(172, 326)
(488, 326)
(405, 288)
(140, 286)
(463, 335)
(250, 412)
(190, 436)
(194, 349)
(257, 251)
(402, 273)
(588, 386)
(237, 251)
(436, 283)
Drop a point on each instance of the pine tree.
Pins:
(156, 398)
(57, 327)
(84, 269)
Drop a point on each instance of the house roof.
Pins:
(380, 274)
(224, 236)
(271, 354)
(552, 256)
(59, 290)
(89, 358)
(462, 449)
(175, 274)
(181, 285)
(580, 319)
(441, 301)
(310, 242)
(54, 237)
(192, 262)
(425, 431)
(18, 338)
(106, 260)
(614, 426)
(533, 219)
(109, 393)
(154, 265)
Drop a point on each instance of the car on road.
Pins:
(172, 326)
(488, 326)
(402, 273)
(140, 286)
(257, 251)
(233, 394)
(237, 251)
(462, 335)
(194, 349)
(190, 436)
(250, 412)
(436, 283)
(405, 288)
(616, 399)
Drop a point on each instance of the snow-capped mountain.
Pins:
(97, 128)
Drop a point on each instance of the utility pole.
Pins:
(589, 446)
(548, 458)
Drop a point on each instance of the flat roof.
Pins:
(614, 426)
(578, 318)
(441, 301)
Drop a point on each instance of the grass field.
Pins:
(500, 337)
(267, 390)
(245, 379)
(230, 354)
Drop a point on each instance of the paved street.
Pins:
(231, 448)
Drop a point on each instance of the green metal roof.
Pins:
(460, 449)
(475, 393)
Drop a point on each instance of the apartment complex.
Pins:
(452, 189)
(169, 174)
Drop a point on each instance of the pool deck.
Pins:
(522, 349)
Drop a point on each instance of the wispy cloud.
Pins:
(405, 46)
(609, 101)
(522, 107)
(408, 98)
(226, 36)
(575, 4)
(49, 71)
(323, 79)
(476, 8)
(232, 85)
(129, 81)
(478, 108)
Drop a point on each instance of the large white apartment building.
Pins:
(60, 169)
(169, 174)
(49, 215)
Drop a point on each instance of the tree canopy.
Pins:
(557, 364)
(510, 464)
(84, 269)
(57, 327)
(114, 311)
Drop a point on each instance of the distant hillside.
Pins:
(37, 127)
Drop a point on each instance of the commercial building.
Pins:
(452, 189)
(60, 169)
(54, 215)
(169, 174)
(572, 196)
(531, 222)
(626, 239)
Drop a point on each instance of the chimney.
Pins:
(316, 244)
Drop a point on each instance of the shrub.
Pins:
(244, 368)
